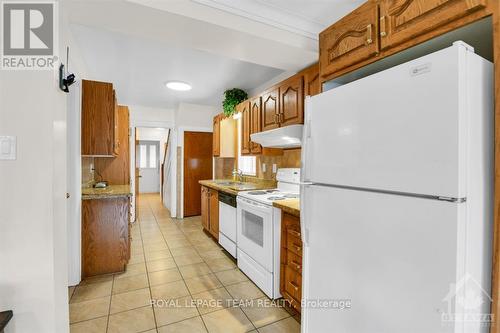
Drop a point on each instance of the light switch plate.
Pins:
(263, 167)
(7, 147)
(275, 168)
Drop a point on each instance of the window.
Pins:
(247, 164)
(148, 154)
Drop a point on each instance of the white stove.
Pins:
(288, 187)
(259, 230)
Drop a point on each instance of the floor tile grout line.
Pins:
(110, 300)
(147, 272)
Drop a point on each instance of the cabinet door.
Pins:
(245, 127)
(292, 101)
(402, 20)
(311, 80)
(270, 109)
(98, 118)
(214, 213)
(255, 127)
(349, 41)
(116, 136)
(205, 218)
(216, 135)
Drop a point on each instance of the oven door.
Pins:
(255, 231)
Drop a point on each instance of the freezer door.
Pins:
(403, 129)
(393, 257)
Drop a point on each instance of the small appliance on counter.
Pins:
(101, 184)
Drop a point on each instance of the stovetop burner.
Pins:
(257, 192)
(275, 198)
(291, 196)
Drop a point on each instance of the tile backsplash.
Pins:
(87, 173)
(289, 159)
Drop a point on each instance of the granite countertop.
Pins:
(112, 191)
(290, 206)
(223, 186)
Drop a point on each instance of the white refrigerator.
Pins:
(396, 201)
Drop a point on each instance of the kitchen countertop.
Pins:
(112, 191)
(290, 206)
(234, 189)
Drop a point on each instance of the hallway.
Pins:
(178, 280)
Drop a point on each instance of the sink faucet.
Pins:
(237, 173)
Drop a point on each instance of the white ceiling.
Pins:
(139, 68)
(213, 44)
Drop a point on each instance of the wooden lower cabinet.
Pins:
(210, 211)
(291, 260)
(105, 235)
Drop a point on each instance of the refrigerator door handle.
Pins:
(306, 136)
(304, 231)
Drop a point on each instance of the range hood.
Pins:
(283, 137)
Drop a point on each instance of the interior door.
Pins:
(137, 175)
(197, 166)
(148, 161)
(401, 130)
(393, 257)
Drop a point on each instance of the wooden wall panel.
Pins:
(117, 170)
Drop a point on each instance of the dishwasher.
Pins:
(227, 222)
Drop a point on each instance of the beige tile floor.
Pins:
(194, 286)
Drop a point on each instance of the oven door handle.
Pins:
(249, 205)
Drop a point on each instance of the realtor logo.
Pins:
(28, 35)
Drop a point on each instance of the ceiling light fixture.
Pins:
(178, 85)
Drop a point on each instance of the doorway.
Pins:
(150, 147)
(197, 166)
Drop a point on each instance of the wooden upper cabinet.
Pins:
(352, 39)
(116, 135)
(255, 127)
(244, 108)
(292, 101)
(270, 109)
(311, 80)
(98, 119)
(216, 135)
(402, 20)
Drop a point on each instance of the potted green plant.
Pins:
(233, 97)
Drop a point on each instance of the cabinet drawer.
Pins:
(349, 41)
(293, 283)
(294, 261)
(403, 20)
(294, 242)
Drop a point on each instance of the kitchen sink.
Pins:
(228, 183)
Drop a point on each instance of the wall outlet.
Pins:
(263, 167)
(275, 168)
(8, 148)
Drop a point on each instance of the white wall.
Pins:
(195, 115)
(139, 113)
(33, 235)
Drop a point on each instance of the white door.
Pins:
(255, 231)
(400, 130)
(392, 257)
(148, 161)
